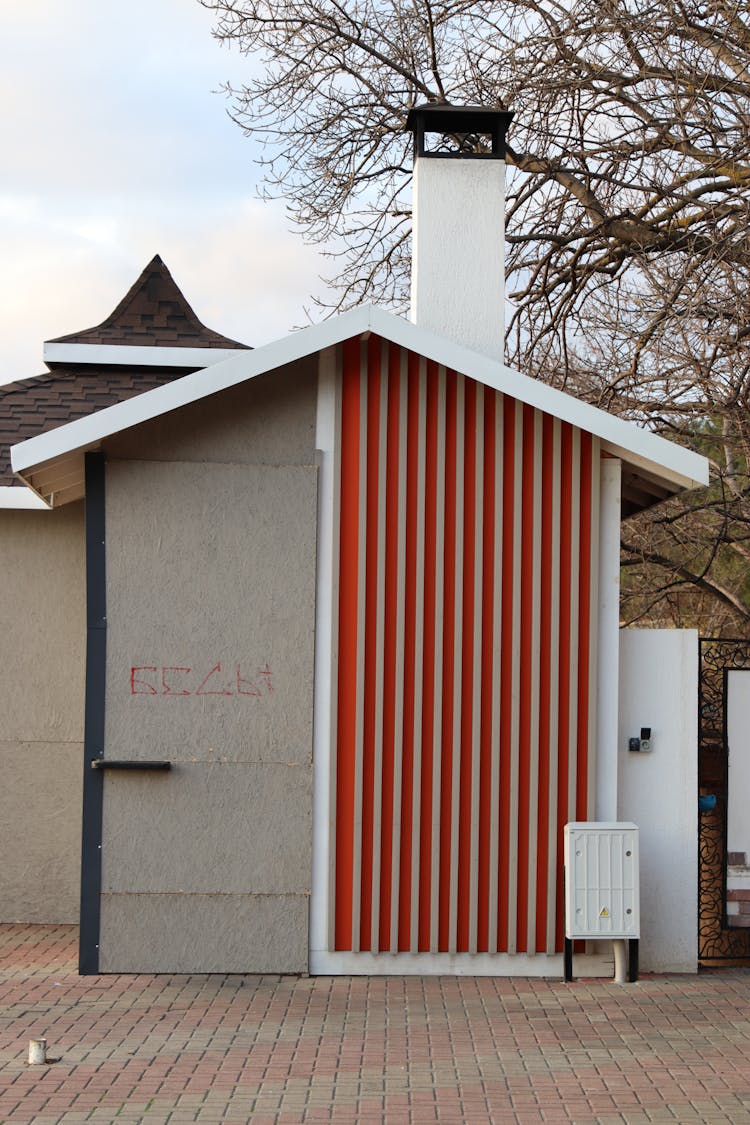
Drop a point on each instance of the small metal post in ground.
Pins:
(37, 1052)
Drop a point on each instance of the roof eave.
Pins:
(673, 466)
(25, 498)
(135, 355)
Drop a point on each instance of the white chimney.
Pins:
(458, 269)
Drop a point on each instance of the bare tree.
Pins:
(627, 223)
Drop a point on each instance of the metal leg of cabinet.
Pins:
(568, 960)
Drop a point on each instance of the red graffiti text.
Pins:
(229, 681)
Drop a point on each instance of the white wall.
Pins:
(457, 279)
(658, 791)
(608, 639)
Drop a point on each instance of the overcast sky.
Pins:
(114, 148)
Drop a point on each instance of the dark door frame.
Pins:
(93, 743)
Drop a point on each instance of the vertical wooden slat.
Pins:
(433, 452)
(564, 656)
(508, 658)
(497, 602)
(476, 707)
(486, 606)
(467, 665)
(533, 749)
(391, 687)
(572, 686)
(593, 624)
(333, 686)
(398, 734)
(418, 661)
(379, 562)
(373, 355)
(360, 707)
(346, 680)
(514, 718)
(438, 670)
(584, 630)
(457, 685)
(410, 674)
(524, 660)
(554, 662)
(542, 812)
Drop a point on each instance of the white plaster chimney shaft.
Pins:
(458, 239)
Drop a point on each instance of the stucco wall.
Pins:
(42, 650)
(658, 791)
(269, 420)
(210, 607)
(457, 283)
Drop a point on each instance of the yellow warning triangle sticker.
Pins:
(604, 913)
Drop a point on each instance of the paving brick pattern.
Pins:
(262, 1049)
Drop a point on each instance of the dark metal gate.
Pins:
(716, 941)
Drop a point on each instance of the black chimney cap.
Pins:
(440, 117)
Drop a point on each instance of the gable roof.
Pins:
(53, 463)
(154, 312)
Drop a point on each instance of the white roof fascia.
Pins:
(11, 496)
(122, 355)
(623, 439)
(243, 365)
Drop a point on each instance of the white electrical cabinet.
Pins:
(601, 880)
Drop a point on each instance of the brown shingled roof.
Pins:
(34, 406)
(153, 313)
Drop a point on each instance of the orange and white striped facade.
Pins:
(463, 652)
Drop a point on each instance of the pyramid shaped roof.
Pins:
(151, 338)
(153, 313)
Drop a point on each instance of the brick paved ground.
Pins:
(234, 1049)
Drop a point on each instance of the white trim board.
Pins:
(608, 640)
(676, 466)
(136, 355)
(323, 963)
(11, 496)
(325, 597)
